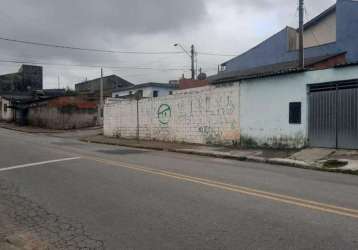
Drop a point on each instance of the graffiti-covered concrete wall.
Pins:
(208, 115)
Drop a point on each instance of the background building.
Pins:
(146, 90)
(27, 79)
(110, 83)
(331, 38)
(189, 83)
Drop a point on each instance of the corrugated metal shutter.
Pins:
(322, 119)
(333, 115)
(347, 119)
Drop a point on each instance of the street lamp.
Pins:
(192, 57)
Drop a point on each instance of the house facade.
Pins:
(10, 104)
(301, 109)
(146, 90)
(17, 87)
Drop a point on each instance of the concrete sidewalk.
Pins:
(315, 159)
(218, 151)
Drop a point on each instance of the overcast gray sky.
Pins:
(221, 26)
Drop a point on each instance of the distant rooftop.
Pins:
(105, 77)
(267, 70)
(149, 84)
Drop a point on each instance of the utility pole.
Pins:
(137, 99)
(192, 56)
(192, 62)
(301, 29)
(101, 99)
(58, 82)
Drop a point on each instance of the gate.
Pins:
(333, 115)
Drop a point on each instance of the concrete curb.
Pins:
(210, 154)
(288, 162)
(29, 132)
(42, 132)
(222, 155)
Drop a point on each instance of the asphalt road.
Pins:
(72, 195)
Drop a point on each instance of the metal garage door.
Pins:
(333, 115)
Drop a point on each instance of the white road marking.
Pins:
(38, 164)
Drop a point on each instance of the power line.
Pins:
(58, 46)
(89, 49)
(90, 66)
(217, 54)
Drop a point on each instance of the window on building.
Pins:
(5, 108)
(295, 113)
(140, 93)
(130, 92)
(170, 92)
(117, 96)
(155, 93)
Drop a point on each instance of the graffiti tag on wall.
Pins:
(164, 114)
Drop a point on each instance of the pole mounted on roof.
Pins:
(301, 29)
(192, 56)
(101, 103)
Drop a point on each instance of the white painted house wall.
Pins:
(6, 113)
(147, 92)
(264, 110)
(200, 115)
(264, 106)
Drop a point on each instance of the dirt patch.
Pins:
(274, 153)
(13, 238)
(22, 241)
(332, 164)
(345, 154)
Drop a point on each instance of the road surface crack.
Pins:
(23, 215)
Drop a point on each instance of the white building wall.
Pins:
(120, 118)
(264, 111)
(201, 115)
(6, 114)
(255, 111)
(264, 106)
(1, 108)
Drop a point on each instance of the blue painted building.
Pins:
(332, 35)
